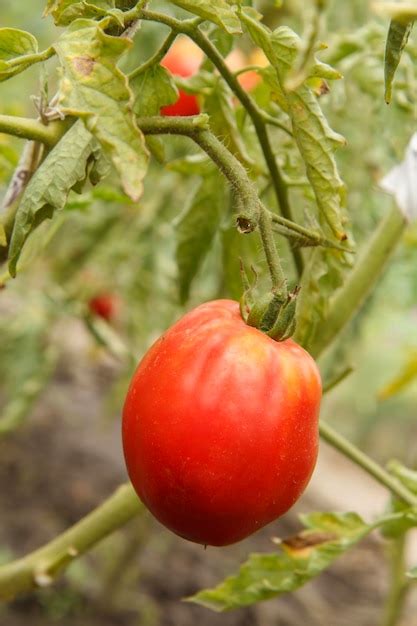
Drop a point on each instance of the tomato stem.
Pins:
(27, 128)
(190, 28)
(356, 455)
(367, 271)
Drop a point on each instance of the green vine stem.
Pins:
(279, 283)
(362, 278)
(31, 129)
(398, 584)
(38, 568)
(189, 28)
(353, 453)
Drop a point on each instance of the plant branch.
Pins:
(359, 283)
(399, 585)
(196, 128)
(38, 568)
(353, 453)
(188, 27)
(27, 128)
(279, 283)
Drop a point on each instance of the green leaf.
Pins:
(264, 576)
(48, 189)
(15, 45)
(412, 573)
(316, 141)
(219, 12)
(153, 89)
(66, 11)
(197, 228)
(94, 89)
(397, 38)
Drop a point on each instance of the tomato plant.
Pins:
(195, 151)
(220, 426)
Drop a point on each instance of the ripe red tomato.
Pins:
(183, 59)
(104, 305)
(220, 426)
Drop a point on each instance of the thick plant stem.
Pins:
(38, 568)
(27, 128)
(398, 585)
(365, 274)
(363, 460)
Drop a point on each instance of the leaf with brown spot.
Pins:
(93, 88)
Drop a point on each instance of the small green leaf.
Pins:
(315, 139)
(48, 189)
(153, 89)
(412, 573)
(16, 43)
(197, 228)
(219, 12)
(302, 557)
(14, 46)
(94, 89)
(397, 38)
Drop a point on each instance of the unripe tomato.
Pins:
(105, 305)
(183, 59)
(220, 426)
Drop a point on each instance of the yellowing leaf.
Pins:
(94, 89)
(265, 576)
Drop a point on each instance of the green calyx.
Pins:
(274, 314)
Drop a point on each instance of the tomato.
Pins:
(183, 59)
(220, 426)
(104, 305)
(237, 60)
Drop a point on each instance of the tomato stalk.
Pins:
(368, 269)
(190, 28)
(31, 129)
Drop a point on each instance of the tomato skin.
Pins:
(220, 426)
(104, 305)
(183, 59)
